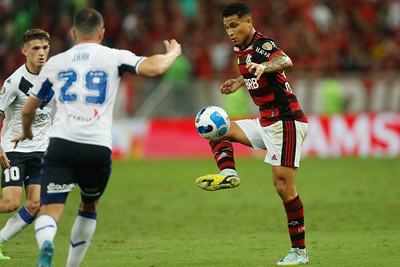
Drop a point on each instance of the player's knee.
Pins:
(285, 191)
(89, 207)
(10, 205)
(33, 207)
(280, 186)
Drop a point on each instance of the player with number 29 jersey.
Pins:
(85, 80)
(86, 90)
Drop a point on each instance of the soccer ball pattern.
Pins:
(212, 122)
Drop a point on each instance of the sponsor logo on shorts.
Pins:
(59, 188)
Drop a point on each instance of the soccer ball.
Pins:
(212, 122)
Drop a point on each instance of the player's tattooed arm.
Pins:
(278, 63)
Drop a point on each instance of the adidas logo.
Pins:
(274, 157)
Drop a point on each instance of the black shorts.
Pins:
(24, 169)
(68, 163)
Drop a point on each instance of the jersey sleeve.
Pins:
(42, 87)
(45, 93)
(128, 62)
(265, 49)
(7, 94)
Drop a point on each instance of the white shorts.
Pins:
(283, 140)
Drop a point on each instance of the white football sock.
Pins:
(45, 228)
(228, 171)
(18, 222)
(81, 237)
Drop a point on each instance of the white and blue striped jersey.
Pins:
(85, 80)
(13, 95)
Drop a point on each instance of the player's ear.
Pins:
(73, 33)
(250, 21)
(24, 51)
(101, 33)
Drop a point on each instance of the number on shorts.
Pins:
(11, 174)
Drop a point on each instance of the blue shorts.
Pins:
(68, 163)
(24, 169)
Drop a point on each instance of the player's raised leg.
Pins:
(223, 153)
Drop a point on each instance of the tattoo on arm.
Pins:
(278, 63)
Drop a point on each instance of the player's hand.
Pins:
(4, 161)
(256, 69)
(173, 46)
(21, 138)
(229, 87)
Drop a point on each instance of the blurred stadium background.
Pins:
(346, 56)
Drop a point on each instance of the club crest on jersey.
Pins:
(267, 46)
(247, 59)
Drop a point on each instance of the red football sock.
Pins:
(295, 215)
(223, 153)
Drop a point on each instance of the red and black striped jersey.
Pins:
(271, 92)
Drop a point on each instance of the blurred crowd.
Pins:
(319, 35)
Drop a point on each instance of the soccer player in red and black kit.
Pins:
(280, 130)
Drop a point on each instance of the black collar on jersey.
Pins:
(251, 42)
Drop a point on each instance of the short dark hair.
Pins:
(35, 34)
(237, 8)
(87, 20)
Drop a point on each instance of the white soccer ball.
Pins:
(212, 122)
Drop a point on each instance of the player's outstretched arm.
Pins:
(231, 85)
(157, 64)
(28, 115)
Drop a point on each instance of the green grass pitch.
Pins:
(153, 214)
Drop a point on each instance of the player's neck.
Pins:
(84, 41)
(249, 39)
(32, 68)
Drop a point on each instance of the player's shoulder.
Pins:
(19, 72)
(264, 47)
(15, 77)
(99, 51)
(265, 43)
(57, 57)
